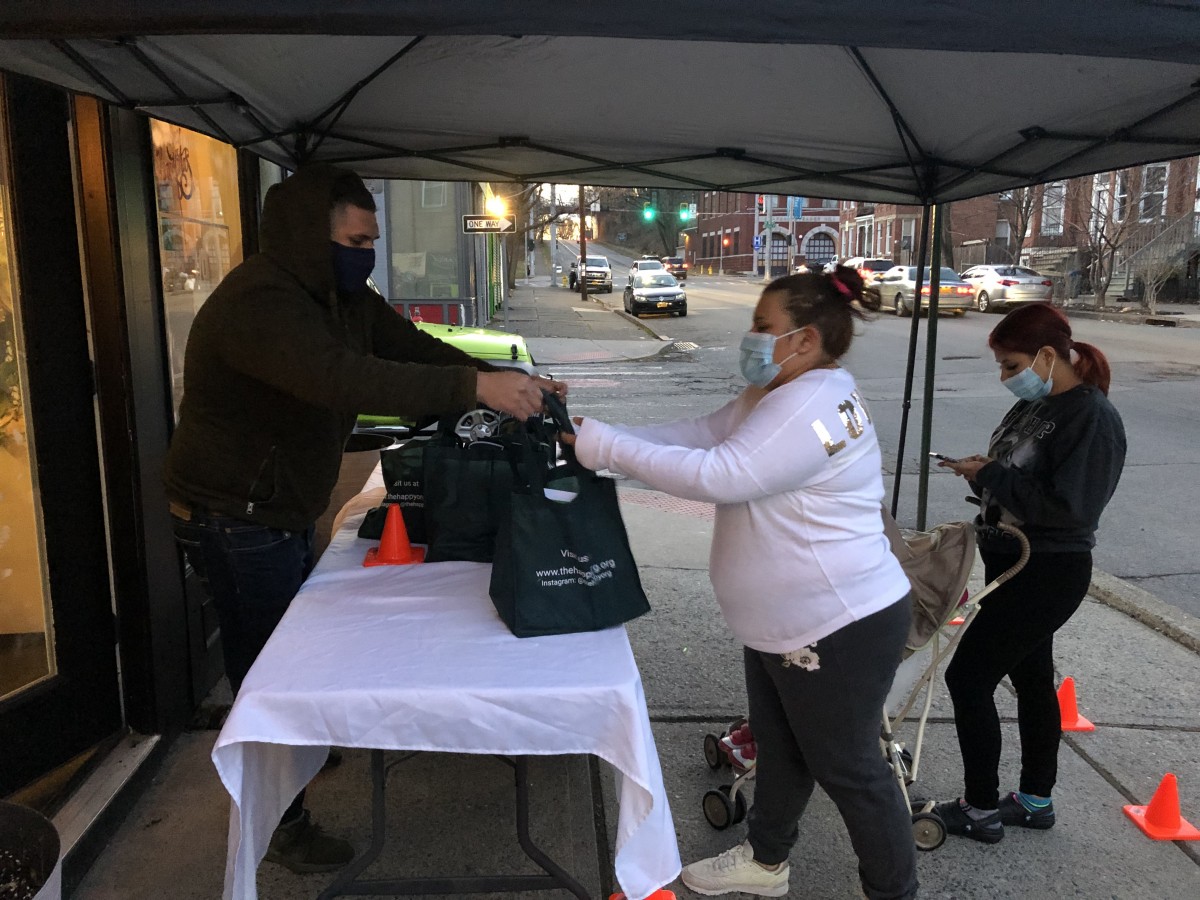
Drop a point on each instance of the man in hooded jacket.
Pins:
(281, 359)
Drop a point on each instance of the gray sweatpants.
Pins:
(816, 717)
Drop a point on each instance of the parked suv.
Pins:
(870, 268)
(596, 270)
(645, 264)
(676, 266)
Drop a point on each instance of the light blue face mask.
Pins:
(757, 362)
(1026, 384)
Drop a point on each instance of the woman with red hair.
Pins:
(1052, 465)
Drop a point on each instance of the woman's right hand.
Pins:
(968, 466)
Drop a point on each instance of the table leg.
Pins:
(347, 882)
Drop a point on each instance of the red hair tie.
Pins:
(842, 288)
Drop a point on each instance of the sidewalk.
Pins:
(562, 328)
(1135, 661)
(1170, 315)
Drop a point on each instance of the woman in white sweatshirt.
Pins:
(803, 574)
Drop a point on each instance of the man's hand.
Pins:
(558, 388)
(515, 393)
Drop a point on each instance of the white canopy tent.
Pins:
(922, 102)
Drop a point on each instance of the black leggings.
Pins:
(1013, 635)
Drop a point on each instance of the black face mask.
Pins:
(352, 266)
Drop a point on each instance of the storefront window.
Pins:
(26, 647)
(199, 228)
(423, 241)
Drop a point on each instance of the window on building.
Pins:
(199, 228)
(1121, 202)
(1154, 192)
(26, 631)
(1003, 231)
(433, 194)
(1054, 199)
(423, 251)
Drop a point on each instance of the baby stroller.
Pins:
(938, 563)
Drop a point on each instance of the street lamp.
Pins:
(721, 254)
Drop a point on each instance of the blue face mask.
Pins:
(1026, 384)
(757, 362)
(352, 266)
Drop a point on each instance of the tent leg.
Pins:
(922, 252)
(935, 272)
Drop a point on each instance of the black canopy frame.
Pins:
(921, 103)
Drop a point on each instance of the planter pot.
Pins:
(30, 868)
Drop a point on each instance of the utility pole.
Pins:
(553, 231)
(579, 279)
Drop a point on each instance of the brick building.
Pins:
(790, 230)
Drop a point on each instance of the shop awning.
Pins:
(914, 103)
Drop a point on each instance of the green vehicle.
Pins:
(498, 347)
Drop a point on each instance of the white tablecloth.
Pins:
(415, 658)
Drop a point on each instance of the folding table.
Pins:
(415, 658)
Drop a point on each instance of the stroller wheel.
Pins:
(929, 832)
(739, 802)
(712, 752)
(736, 724)
(718, 808)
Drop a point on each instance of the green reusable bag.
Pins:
(563, 565)
(467, 485)
(404, 477)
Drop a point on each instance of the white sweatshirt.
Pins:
(798, 548)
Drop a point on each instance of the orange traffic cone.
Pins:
(1068, 711)
(1161, 819)
(394, 548)
(661, 894)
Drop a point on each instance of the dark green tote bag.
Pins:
(404, 478)
(563, 565)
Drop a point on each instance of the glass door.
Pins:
(26, 627)
(59, 688)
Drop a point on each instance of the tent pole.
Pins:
(922, 251)
(935, 271)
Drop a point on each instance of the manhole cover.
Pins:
(684, 345)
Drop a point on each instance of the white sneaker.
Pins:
(735, 870)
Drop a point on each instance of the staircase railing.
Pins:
(1174, 242)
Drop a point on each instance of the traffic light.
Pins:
(648, 212)
(685, 212)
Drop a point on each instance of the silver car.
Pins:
(1000, 285)
(897, 286)
(655, 291)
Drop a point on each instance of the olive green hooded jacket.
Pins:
(279, 364)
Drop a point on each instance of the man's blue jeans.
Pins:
(251, 572)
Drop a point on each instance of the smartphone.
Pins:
(950, 459)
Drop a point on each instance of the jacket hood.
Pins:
(295, 227)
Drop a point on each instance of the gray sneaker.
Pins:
(1013, 812)
(735, 870)
(303, 846)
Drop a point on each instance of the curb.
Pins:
(1138, 318)
(1144, 607)
(640, 324)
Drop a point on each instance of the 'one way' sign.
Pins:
(487, 225)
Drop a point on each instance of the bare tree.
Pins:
(1113, 215)
(521, 200)
(1155, 269)
(1017, 207)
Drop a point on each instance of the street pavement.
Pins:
(1135, 663)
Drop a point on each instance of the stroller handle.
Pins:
(1012, 572)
